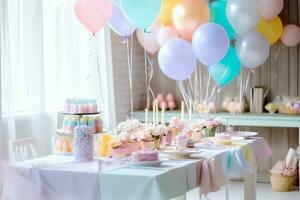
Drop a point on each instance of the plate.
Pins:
(146, 163)
(185, 153)
(245, 134)
(237, 138)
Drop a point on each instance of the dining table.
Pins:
(208, 168)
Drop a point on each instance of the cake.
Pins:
(83, 149)
(78, 106)
(190, 143)
(223, 138)
(181, 140)
(142, 156)
(70, 122)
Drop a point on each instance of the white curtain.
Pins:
(46, 57)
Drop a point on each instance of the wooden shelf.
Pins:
(244, 119)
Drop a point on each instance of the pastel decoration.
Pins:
(177, 60)
(142, 13)
(148, 39)
(271, 29)
(119, 24)
(291, 35)
(93, 14)
(165, 16)
(162, 104)
(171, 105)
(253, 49)
(188, 16)
(170, 97)
(227, 70)
(218, 16)
(116, 2)
(160, 97)
(270, 8)
(165, 33)
(210, 43)
(243, 15)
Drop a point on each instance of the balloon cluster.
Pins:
(223, 35)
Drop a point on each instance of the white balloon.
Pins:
(243, 15)
(252, 49)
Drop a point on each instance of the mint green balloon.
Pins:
(117, 2)
(218, 16)
(227, 70)
(141, 13)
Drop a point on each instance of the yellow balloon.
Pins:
(271, 29)
(165, 16)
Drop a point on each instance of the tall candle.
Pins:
(156, 107)
(153, 112)
(190, 111)
(182, 111)
(146, 116)
(163, 115)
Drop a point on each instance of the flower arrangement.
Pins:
(210, 125)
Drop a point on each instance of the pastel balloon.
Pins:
(171, 105)
(93, 14)
(210, 43)
(227, 70)
(119, 24)
(170, 97)
(176, 59)
(165, 33)
(142, 13)
(270, 8)
(291, 35)
(116, 2)
(188, 16)
(160, 97)
(271, 29)
(218, 16)
(165, 16)
(253, 49)
(243, 15)
(148, 39)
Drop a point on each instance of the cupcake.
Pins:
(223, 138)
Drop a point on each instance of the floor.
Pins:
(236, 189)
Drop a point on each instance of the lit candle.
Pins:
(153, 112)
(156, 112)
(190, 111)
(163, 115)
(182, 111)
(146, 116)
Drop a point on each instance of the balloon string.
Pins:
(247, 83)
(207, 88)
(277, 53)
(150, 71)
(93, 42)
(129, 62)
(213, 92)
(146, 79)
(182, 90)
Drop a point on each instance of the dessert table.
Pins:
(209, 168)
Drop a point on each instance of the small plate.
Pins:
(146, 163)
(237, 138)
(246, 134)
(185, 153)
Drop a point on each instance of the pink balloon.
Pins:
(171, 105)
(148, 40)
(291, 35)
(270, 8)
(163, 103)
(160, 97)
(93, 14)
(165, 33)
(170, 97)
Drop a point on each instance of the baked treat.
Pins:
(190, 143)
(77, 106)
(70, 122)
(181, 140)
(142, 156)
(83, 149)
(223, 138)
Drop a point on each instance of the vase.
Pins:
(156, 142)
(209, 132)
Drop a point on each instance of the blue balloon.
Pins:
(227, 70)
(141, 13)
(218, 16)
